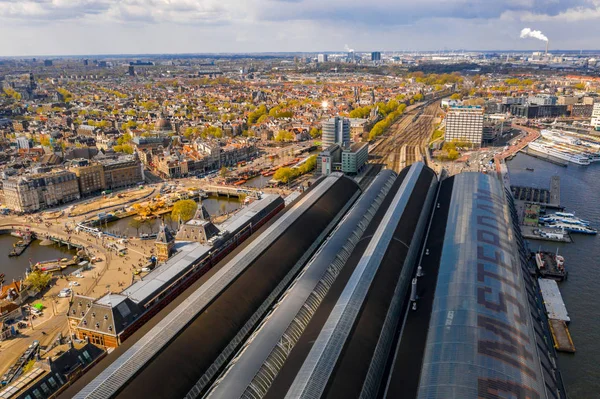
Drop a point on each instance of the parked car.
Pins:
(64, 293)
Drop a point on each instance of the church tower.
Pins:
(164, 243)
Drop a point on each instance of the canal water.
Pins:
(259, 181)
(214, 206)
(580, 191)
(14, 267)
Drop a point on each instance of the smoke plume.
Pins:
(536, 34)
(348, 49)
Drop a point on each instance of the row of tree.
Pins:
(381, 126)
(286, 175)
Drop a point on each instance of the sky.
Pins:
(80, 27)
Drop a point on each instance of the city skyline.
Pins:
(84, 27)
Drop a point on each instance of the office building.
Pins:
(494, 126)
(336, 131)
(581, 110)
(23, 143)
(465, 124)
(47, 63)
(376, 56)
(355, 158)
(322, 58)
(542, 99)
(596, 116)
(531, 111)
(329, 160)
(131, 70)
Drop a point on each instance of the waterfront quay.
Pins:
(109, 273)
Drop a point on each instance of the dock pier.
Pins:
(550, 198)
(535, 233)
(561, 336)
(20, 247)
(557, 315)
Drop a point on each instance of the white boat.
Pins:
(563, 219)
(572, 228)
(566, 156)
(553, 235)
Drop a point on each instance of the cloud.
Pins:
(113, 26)
(150, 11)
(388, 12)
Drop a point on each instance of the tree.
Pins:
(455, 96)
(39, 280)
(315, 132)
(253, 116)
(284, 175)
(284, 135)
(224, 172)
(136, 224)
(184, 210)
(125, 148)
(45, 141)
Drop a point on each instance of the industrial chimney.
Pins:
(547, 42)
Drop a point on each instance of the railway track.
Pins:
(406, 139)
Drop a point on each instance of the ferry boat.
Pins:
(573, 228)
(563, 219)
(566, 156)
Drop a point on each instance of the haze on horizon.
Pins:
(70, 27)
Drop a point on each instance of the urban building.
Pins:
(596, 116)
(514, 100)
(336, 131)
(566, 100)
(358, 128)
(538, 111)
(494, 126)
(542, 99)
(376, 56)
(211, 326)
(581, 110)
(113, 318)
(124, 171)
(39, 191)
(47, 63)
(355, 158)
(465, 124)
(23, 143)
(90, 176)
(378, 309)
(322, 58)
(48, 378)
(199, 228)
(329, 160)
(164, 244)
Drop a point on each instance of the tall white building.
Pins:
(596, 116)
(465, 124)
(322, 58)
(336, 131)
